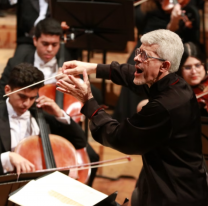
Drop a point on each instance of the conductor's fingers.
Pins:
(85, 76)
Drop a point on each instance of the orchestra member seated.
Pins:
(193, 69)
(47, 42)
(18, 121)
(46, 56)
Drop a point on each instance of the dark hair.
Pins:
(25, 74)
(48, 26)
(192, 50)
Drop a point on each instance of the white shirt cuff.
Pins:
(66, 119)
(12, 2)
(5, 161)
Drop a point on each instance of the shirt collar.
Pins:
(12, 112)
(41, 63)
(163, 83)
(10, 108)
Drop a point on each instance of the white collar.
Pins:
(12, 112)
(41, 63)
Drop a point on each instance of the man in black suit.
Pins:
(28, 13)
(45, 58)
(17, 119)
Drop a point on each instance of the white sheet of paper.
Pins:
(57, 189)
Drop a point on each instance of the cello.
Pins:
(70, 105)
(49, 151)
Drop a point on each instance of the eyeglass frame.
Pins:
(201, 64)
(147, 56)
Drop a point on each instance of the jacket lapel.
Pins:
(30, 58)
(5, 127)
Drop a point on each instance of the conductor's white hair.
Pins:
(170, 46)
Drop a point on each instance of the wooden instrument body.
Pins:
(64, 152)
(70, 104)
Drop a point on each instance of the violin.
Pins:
(201, 92)
(168, 5)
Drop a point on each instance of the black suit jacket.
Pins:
(72, 132)
(27, 13)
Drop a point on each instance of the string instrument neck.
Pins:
(44, 133)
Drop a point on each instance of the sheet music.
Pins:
(57, 189)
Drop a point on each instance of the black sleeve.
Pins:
(137, 135)
(1, 151)
(122, 74)
(72, 132)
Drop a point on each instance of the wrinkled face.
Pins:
(193, 71)
(147, 72)
(47, 46)
(21, 101)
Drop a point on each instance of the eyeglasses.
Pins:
(145, 56)
(189, 67)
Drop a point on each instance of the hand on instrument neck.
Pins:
(49, 106)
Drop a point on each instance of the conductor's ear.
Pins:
(165, 66)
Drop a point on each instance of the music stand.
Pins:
(98, 24)
(9, 184)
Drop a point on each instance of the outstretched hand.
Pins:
(77, 67)
(73, 86)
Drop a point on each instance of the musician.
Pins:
(45, 58)
(193, 69)
(28, 13)
(47, 42)
(18, 120)
(167, 130)
(193, 66)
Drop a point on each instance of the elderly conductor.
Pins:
(166, 132)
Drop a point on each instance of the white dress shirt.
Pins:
(12, 2)
(43, 6)
(49, 69)
(22, 127)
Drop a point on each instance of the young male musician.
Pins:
(18, 121)
(166, 132)
(47, 42)
(46, 56)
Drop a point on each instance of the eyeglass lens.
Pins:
(189, 67)
(142, 53)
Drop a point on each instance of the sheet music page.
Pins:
(57, 189)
